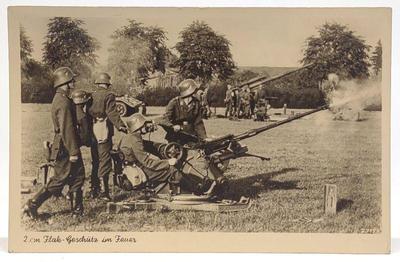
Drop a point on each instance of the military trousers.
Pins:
(66, 173)
(101, 158)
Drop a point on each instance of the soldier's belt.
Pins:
(99, 119)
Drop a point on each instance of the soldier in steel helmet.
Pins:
(105, 117)
(65, 150)
(139, 153)
(183, 113)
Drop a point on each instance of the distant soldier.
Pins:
(183, 113)
(201, 98)
(245, 103)
(253, 102)
(228, 101)
(236, 102)
(105, 117)
(65, 152)
(206, 102)
(261, 111)
(143, 169)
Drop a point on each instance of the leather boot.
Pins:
(31, 207)
(76, 199)
(105, 194)
(94, 183)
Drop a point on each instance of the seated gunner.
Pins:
(142, 170)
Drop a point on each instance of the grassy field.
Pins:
(288, 190)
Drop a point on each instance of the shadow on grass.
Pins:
(253, 185)
(343, 204)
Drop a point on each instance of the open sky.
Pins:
(258, 36)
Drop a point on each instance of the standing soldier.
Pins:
(206, 104)
(183, 113)
(235, 103)
(65, 152)
(105, 117)
(245, 102)
(200, 96)
(253, 102)
(228, 101)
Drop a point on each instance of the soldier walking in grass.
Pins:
(105, 117)
(65, 151)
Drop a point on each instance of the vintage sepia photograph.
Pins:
(199, 120)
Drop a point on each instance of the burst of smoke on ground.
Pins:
(348, 99)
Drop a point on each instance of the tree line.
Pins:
(138, 51)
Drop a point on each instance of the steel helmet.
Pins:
(103, 78)
(62, 76)
(135, 122)
(187, 87)
(80, 96)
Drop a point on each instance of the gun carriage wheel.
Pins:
(173, 150)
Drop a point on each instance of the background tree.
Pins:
(152, 36)
(203, 53)
(36, 81)
(129, 63)
(136, 52)
(336, 50)
(376, 58)
(68, 44)
(26, 49)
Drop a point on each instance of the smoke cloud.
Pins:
(348, 99)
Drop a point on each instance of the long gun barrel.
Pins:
(224, 142)
(255, 131)
(258, 81)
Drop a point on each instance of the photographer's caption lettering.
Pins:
(70, 239)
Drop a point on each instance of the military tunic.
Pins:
(103, 106)
(245, 104)
(65, 123)
(187, 116)
(228, 103)
(84, 125)
(135, 150)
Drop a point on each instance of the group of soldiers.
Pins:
(88, 119)
(244, 103)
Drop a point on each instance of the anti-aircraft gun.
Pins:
(219, 151)
(202, 162)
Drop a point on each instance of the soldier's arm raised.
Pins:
(68, 131)
(112, 113)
